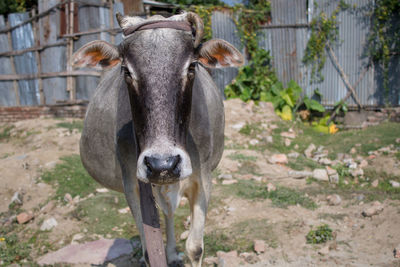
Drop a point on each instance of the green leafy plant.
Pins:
(320, 235)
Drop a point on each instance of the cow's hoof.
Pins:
(178, 263)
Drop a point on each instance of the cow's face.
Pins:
(158, 66)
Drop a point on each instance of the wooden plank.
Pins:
(113, 31)
(31, 49)
(151, 226)
(10, 77)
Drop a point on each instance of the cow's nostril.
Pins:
(157, 165)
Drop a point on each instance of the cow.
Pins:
(157, 116)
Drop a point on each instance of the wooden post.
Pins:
(70, 49)
(111, 12)
(15, 83)
(37, 56)
(151, 226)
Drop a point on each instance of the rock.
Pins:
(92, 253)
(394, 184)
(48, 207)
(270, 187)
(363, 164)
(259, 246)
(124, 210)
(184, 235)
(210, 261)
(334, 179)
(296, 146)
(24, 217)
(375, 183)
(396, 252)
(102, 190)
(330, 171)
(48, 224)
(320, 174)
(360, 197)
(325, 161)
(51, 164)
(375, 209)
(228, 182)
(324, 251)
(76, 238)
(228, 259)
(269, 139)
(68, 198)
(357, 172)
(288, 142)
(16, 199)
(398, 140)
(278, 158)
(294, 155)
(353, 150)
(238, 126)
(334, 200)
(309, 150)
(290, 135)
(254, 142)
(300, 174)
(225, 176)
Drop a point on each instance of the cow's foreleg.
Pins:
(194, 244)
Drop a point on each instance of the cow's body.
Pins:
(164, 125)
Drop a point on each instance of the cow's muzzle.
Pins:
(163, 168)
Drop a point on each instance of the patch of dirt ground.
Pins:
(244, 206)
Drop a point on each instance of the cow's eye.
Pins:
(127, 73)
(192, 68)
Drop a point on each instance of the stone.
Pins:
(363, 164)
(102, 190)
(229, 182)
(259, 246)
(375, 209)
(300, 174)
(16, 199)
(238, 126)
(51, 164)
(293, 155)
(357, 172)
(270, 187)
(334, 200)
(124, 210)
(334, 179)
(325, 161)
(76, 238)
(330, 171)
(353, 150)
(296, 146)
(184, 235)
(249, 257)
(375, 183)
(269, 139)
(290, 135)
(228, 259)
(398, 140)
(320, 174)
(210, 261)
(48, 224)
(394, 184)
(68, 198)
(278, 159)
(309, 150)
(324, 251)
(94, 253)
(288, 142)
(225, 176)
(352, 165)
(24, 217)
(254, 142)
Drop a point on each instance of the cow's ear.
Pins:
(218, 53)
(96, 53)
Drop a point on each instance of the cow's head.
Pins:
(158, 59)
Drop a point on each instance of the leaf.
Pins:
(315, 105)
(286, 113)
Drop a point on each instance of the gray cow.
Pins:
(157, 116)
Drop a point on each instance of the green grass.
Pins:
(5, 132)
(241, 157)
(78, 124)
(301, 162)
(251, 129)
(282, 197)
(239, 236)
(322, 234)
(69, 176)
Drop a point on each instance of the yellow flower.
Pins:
(2, 239)
(333, 129)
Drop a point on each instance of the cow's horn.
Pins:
(119, 18)
(195, 20)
